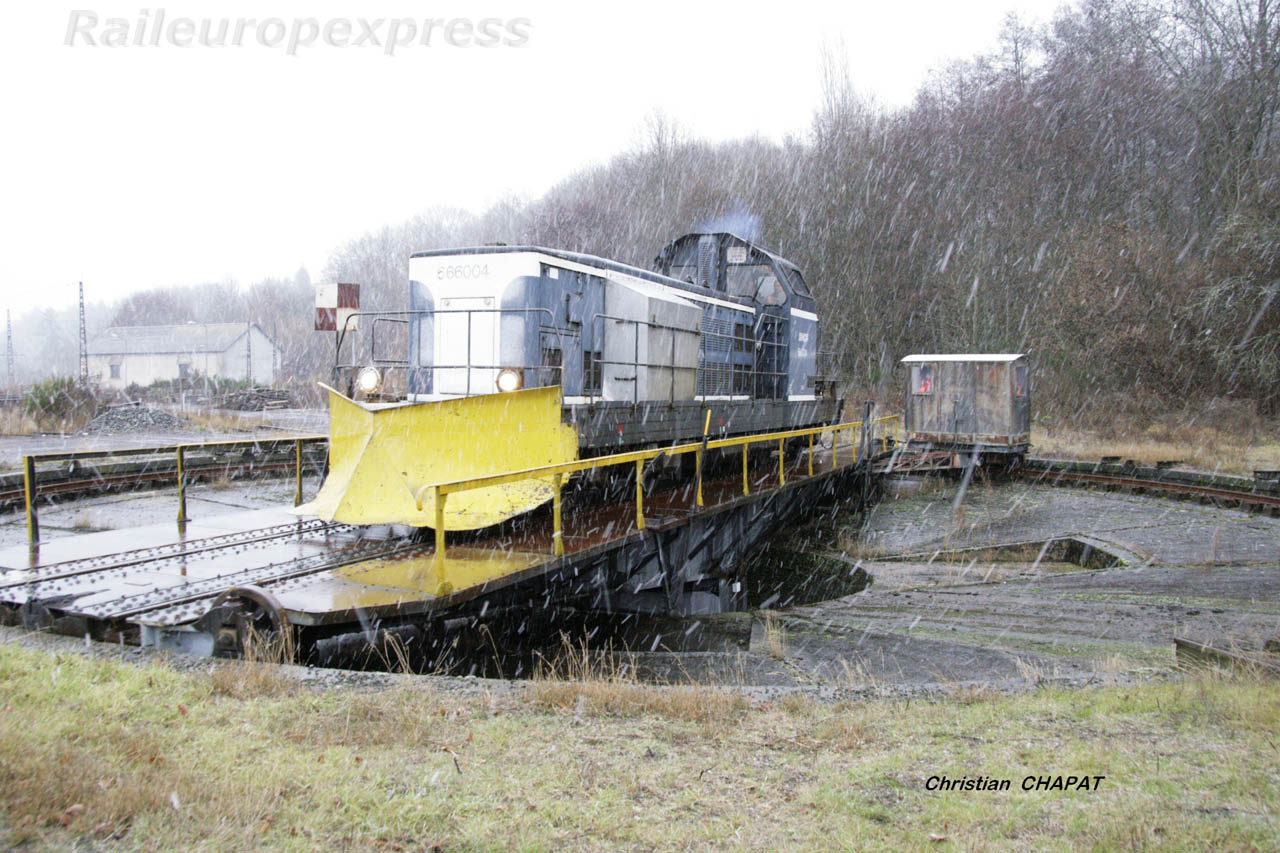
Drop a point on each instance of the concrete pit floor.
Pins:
(936, 615)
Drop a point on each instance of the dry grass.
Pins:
(1032, 671)
(845, 731)
(1200, 447)
(856, 674)
(855, 547)
(1117, 663)
(241, 679)
(968, 694)
(604, 683)
(775, 636)
(16, 422)
(225, 421)
(260, 674)
(708, 705)
(96, 754)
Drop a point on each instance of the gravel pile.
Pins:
(124, 419)
(256, 399)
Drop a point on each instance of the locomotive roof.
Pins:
(575, 257)
(970, 356)
(771, 255)
(605, 263)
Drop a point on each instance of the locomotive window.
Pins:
(922, 379)
(746, 279)
(685, 272)
(552, 367)
(591, 376)
(797, 282)
(1020, 380)
(770, 291)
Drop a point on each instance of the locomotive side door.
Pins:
(772, 338)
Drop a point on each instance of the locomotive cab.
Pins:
(775, 355)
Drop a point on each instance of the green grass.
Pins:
(100, 752)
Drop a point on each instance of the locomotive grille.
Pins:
(715, 373)
(717, 335)
(715, 379)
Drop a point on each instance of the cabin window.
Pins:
(115, 371)
(922, 379)
(1020, 380)
(184, 370)
(741, 337)
(591, 374)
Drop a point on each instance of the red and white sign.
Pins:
(334, 304)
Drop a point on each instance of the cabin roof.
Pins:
(965, 356)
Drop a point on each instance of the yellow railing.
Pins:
(31, 486)
(897, 431)
(441, 491)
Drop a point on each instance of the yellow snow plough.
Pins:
(382, 455)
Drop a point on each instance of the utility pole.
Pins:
(248, 354)
(8, 345)
(84, 344)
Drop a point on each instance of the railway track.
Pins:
(104, 472)
(1258, 492)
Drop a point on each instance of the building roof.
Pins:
(959, 356)
(156, 340)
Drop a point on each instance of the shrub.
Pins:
(61, 402)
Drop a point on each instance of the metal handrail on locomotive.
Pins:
(511, 357)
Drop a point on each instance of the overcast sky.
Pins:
(135, 166)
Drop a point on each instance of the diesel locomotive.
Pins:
(511, 357)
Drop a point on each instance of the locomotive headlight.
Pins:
(510, 380)
(368, 380)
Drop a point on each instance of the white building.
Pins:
(140, 355)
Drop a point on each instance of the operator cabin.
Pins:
(140, 355)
